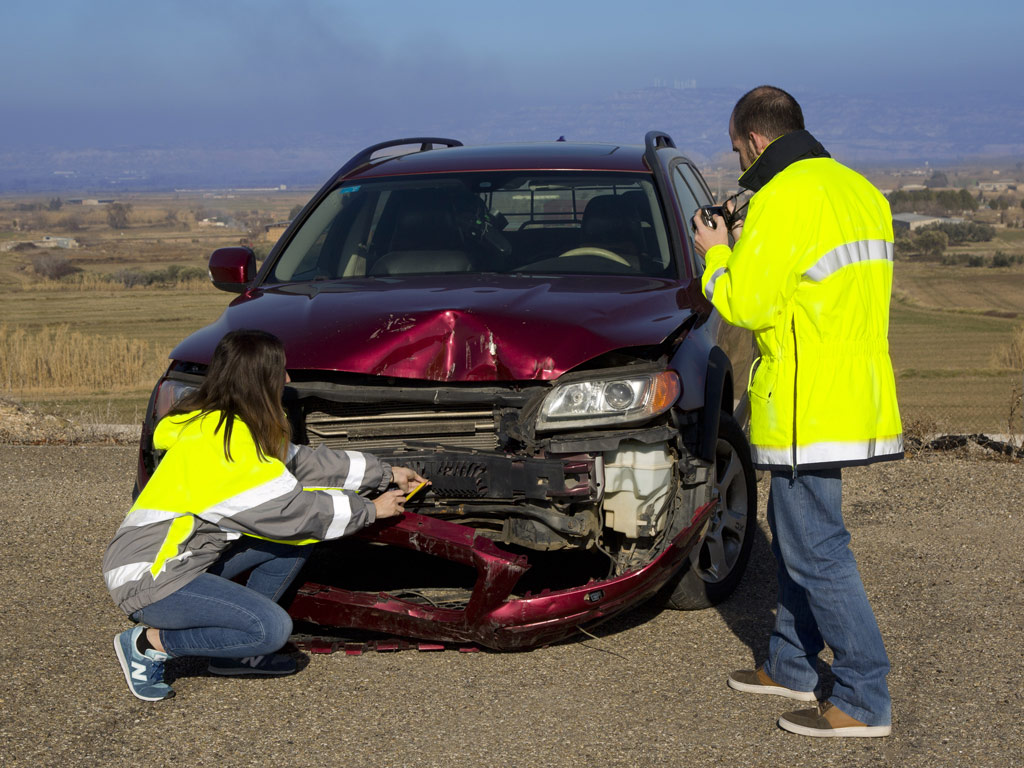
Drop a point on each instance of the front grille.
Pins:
(380, 428)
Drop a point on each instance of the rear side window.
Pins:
(542, 223)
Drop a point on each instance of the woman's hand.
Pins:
(389, 504)
(406, 478)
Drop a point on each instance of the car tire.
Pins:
(717, 562)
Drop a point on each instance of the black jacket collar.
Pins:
(780, 154)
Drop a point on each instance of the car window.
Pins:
(696, 184)
(688, 205)
(536, 223)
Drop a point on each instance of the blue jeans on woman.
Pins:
(822, 598)
(214, 616)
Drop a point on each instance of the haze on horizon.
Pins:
(114, 74)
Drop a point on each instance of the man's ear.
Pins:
(759, 142)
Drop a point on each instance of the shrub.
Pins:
(131, 278)
(53, 266)
(117, 215)
(1001, 260)
(72, 223)
(976, 261)
(931, 242)
(175, 274)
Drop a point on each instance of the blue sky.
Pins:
(135, 73)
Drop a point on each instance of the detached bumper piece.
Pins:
(491, 618)
(466, 475)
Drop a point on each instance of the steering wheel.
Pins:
(588, 250)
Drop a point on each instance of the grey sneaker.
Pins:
(828, 720)
(144, 673)
(757, 681)
(271, 664)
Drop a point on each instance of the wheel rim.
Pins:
(719, 550)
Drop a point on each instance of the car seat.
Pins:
(425, 239)
(612, 222)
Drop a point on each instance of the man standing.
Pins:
(811, 274)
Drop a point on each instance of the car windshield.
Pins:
(526, 223)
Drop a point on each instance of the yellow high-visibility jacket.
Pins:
(811, 276)
(198, 502)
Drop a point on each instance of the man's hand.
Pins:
(406, 479)
(704, 237)
(389, 504)
(737, 224)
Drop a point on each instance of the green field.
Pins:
(951, 328)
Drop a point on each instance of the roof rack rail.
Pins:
(426, 143)
(657, 140)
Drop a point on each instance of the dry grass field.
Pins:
(957, 338)
(89, 347)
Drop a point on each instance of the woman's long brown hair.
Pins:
(245, 379)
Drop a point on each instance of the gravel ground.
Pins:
(938, 538)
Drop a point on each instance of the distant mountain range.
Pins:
(863, 131)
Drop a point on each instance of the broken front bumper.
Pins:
(491, 618)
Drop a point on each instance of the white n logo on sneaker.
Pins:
(139, 672)
(251, 661)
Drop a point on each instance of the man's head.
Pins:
(760, 117)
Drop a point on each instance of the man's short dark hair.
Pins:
(768, 111)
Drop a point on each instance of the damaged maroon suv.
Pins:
(523, 325)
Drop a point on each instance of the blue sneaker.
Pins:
(144, 673)
(270, 664)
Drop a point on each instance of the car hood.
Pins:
(454, 327)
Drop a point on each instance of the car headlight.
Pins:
(168, 393)
(608, 401)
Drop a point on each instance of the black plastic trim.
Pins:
(719, 370)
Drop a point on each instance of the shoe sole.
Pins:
(253, 672)
(865, 731)
(128, 675)
(773, 690)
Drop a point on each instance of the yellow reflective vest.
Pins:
(198, 502)
(811, 276)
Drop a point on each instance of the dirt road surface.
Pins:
(938, 539)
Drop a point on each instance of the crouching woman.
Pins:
(232, 494)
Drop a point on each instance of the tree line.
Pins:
(931, 241)
(932, 201)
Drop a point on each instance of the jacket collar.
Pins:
(779, 155)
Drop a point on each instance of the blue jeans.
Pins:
(214, 616)
(822, 598)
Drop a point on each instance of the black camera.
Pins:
(708, 212)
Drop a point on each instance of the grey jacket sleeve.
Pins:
(325, 467)
(295, 514)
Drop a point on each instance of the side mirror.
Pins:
(233, 269)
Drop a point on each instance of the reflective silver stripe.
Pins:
(775, 457)
(827, 453)
(293, 449)
(261, 494)
(847, 254)
(356, 471)
(342, 514)
(709, 288)
(176, 559)
(118, 577)
(139, 517)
